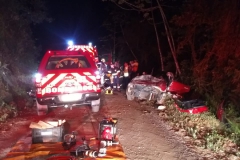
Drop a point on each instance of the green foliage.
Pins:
(208, 48)
(7, 111)
(192, 131)
(6, 76)
(234, 127)
(206, 131)
(17, 46)
(18, 52)
(214, 141)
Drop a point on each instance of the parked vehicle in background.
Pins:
(68, 78)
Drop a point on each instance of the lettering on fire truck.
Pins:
(67, 89)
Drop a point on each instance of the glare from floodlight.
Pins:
(70, 43)
(90, 43)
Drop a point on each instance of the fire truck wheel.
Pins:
(95, 105)
(41, 109)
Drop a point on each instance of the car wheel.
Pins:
(41, 109)
(95, 105)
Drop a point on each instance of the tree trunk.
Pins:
(128, 43)
(170, 39)
(159, 47)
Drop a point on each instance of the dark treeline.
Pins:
(206, 43)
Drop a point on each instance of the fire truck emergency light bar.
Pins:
(89, 48)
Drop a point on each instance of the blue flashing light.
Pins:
(70, 43)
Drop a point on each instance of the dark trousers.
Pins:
(107, 82)
(116, 83)
(125, 82)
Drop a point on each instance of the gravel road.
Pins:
(141, 132)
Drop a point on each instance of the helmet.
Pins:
(103, 60)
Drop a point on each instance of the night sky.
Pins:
(77, 20)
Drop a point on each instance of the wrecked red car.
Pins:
(147, 87)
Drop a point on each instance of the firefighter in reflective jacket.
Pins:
(134, 66)
(116, 77)
(126, 75)
(103, 70)
(108, 80)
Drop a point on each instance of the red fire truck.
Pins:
(68, 78)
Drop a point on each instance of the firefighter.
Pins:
(103, 70)
(116, 64)
(103, 65)
(108, 80)
(126, 75)
(116, 77)
(134, 67)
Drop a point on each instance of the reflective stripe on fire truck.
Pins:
(87, 78)
(46, 78)
(56, 80)
(87, 73)
(84, 78)
(90, 76)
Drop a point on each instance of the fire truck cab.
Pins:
(68, 78)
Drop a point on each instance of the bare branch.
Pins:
(123, 7)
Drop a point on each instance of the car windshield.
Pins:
(67, 62)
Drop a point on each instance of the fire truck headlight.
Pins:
(38, 77)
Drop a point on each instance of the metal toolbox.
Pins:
(54, 134)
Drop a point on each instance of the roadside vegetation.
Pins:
(18, 53)
(204, 131)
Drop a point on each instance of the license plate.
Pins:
(70, 97)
